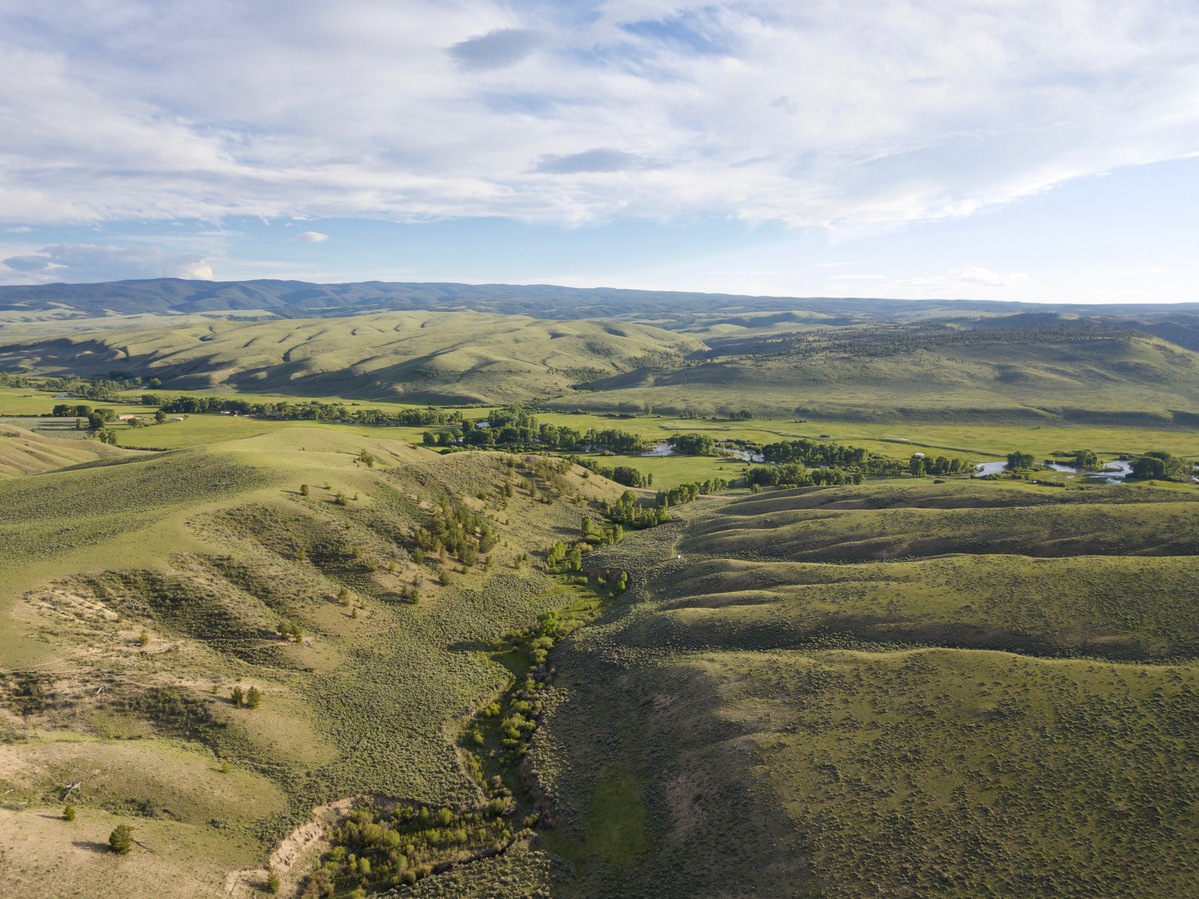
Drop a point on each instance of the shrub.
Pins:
(120, 840)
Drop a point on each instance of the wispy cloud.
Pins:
(822, 114)
(312, 237)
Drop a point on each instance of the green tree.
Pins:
(68, 812)
(253, 698)
(1019, 460)
(120, 840)
(1160, 466)
(238, 695)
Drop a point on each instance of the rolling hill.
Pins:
(417, 357)
(1023, 368)
(940, 713)
(139, 593)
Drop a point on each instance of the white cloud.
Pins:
(89, 262)
(847, 116)
(312, 237)
(956, 283)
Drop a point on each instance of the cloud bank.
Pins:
(825, 114)
(89, 262)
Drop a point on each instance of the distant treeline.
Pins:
(311, 410)
(83, 388)
(516, 429)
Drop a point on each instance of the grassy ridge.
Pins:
(1113, 520)
(973, 723)
(366, 701)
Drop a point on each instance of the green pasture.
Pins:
(24, 401)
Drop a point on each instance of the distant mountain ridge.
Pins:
(301, 299)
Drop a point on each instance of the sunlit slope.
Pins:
(968, 717)
(417, 356)
(1028, 377)
(1110, 520)
(24, 452)
(137, 595)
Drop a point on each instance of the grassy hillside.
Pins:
(139, 594)
(972, 715)
(1017, 370)
(23, 452)
(419, 357)
(1073, 372)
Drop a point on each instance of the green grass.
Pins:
(201, 430)
(957, 707)
(205, 552)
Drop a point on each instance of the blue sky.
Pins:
(1001, 149)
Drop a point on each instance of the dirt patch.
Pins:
(295, 856)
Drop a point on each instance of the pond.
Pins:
(982, 469)
(745, 455)
(1112, 473)
(662, 449)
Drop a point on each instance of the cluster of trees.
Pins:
(379, 850)
(625, 475)
(692, 444)
(794, 474)
(806, 452)
(98, 388)
(97, 418)
(812, 452)
(514, 428)
(455, 529)
(1018, 460)
(688, 493)
(245, 699)
(629, 511)
(1161, 466)
(595, 535)
(921, 465)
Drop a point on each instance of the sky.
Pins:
(995, 149)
